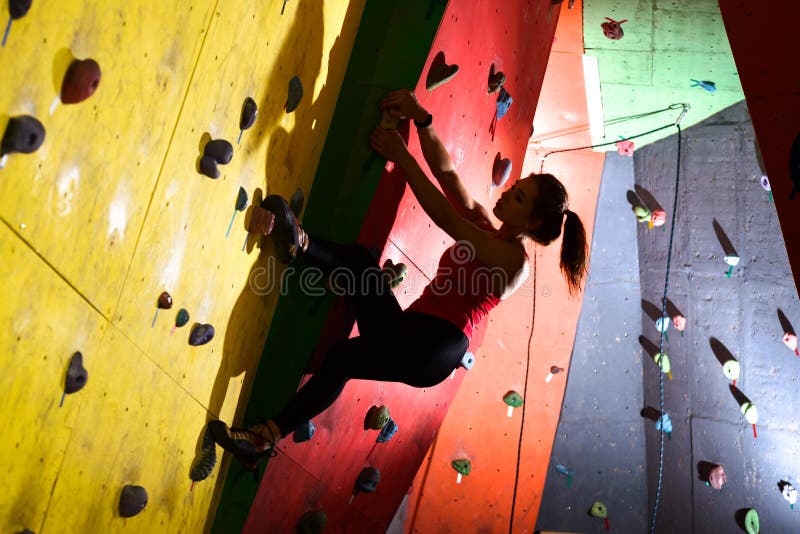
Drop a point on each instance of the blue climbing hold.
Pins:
(711, 87)
(388, 432)
(304, 432)
(504, 101)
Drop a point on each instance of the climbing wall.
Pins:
(510, 455)
(111, 211)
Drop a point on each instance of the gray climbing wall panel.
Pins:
(727, 317)
(600, 434)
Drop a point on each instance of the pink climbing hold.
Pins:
(612, 28)
(659, 217)
(679, 321)
(717, 478)
(625, 147)
(790, 340)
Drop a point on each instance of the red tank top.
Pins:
(461, 291)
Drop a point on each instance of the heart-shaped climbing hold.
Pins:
(23, 134)
(501, 170)
(439, 72)
(80, 81)
(201, 334)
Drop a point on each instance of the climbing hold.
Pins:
(241, 204)
(790, 340)
(496, 80)
(376, 418)
(17, 9)
(751, 525)
(23, 134)
(208, 166)
(662, 324)
(554, 370)
(313, 521)
(76, 376)
(504, 101)
(220, 150)
(182, 318)
(439, 72)
(765, 183)
(303, 432)
(658, 218)
(513, 399)
(642, 213)
(261, 221)
(750, 412)
(396, 274)
(295, 94)
(80, 81)
(165, 301)
(467, 361)
(717, 477)
(600, 511)
(788, 492)
(613, 29)
(501, 170)
(388, 431)
(731, 370)
(662, 360)
(249, 114)
(207, 459)
(132, 500)
(732, 260)
(679, 321)
(567, 472)
(625, 147)
(665, 423)
(367, 480)
(462, 465)
(704, 84)
(201, 334)
(296, 202)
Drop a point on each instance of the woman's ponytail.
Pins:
(574, 255)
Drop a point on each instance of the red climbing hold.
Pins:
(612, 28)
(80, 81)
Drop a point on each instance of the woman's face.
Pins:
(516, 204)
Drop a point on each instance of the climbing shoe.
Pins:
(287, 234)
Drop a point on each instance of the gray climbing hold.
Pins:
(23, 134)
(132, 501)
(368, 480)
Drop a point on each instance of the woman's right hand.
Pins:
(403, 103)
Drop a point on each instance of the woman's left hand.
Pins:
(389, 144)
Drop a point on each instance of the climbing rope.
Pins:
(525, 393)
(663, 334)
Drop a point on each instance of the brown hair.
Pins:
(549, 211)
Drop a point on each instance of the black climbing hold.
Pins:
(794, 167)
(132, 501)
(296, 202)
(182, 318)
(76, 374)
(201, 334)
(496, 80)
(367, 480)
(304, 432)
(219, 149)
(208, 166)
(23, 134)
(388, 432)
(241, 199)
(439, 72)
(207, 459)
(295, 94)
(249, 113)
(165, 301)
(19, 8)
(80, 81)
(312, 522)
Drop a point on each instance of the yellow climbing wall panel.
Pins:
(111, 211)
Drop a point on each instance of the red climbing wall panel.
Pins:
(516, 36)
(764, 45)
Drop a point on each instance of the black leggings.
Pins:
(393, 346)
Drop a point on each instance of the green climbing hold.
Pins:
(751, 522)
(241, 199)
(463, 466)
(182, 318)
(376, 418)
(642, 214)
(749, 412)
(662, 360)
(513, 399)
(598, 510)
(312, 522)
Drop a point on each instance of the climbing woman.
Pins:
(422, 345)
